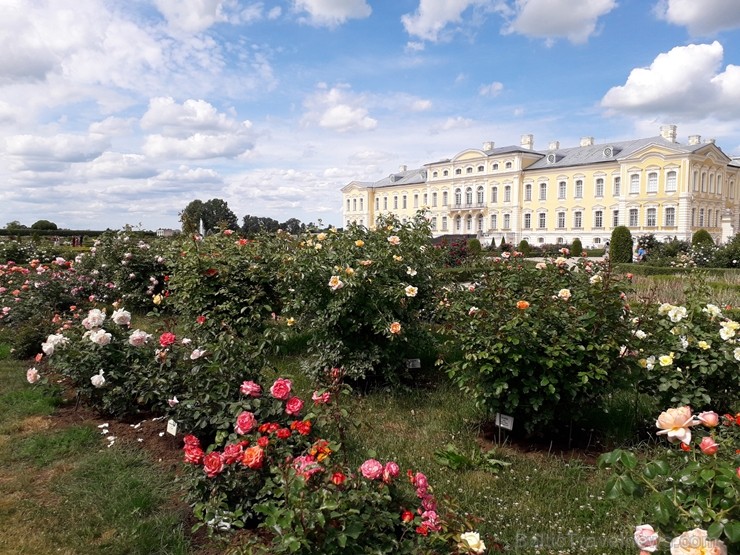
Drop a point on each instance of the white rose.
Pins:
(121, 317)
(564, 294)
(95, 319)
(101, 337)
(196, 354)
(138, 338)
(98, 380)
(471, 541)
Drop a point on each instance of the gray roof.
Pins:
(408, 177)
(593, 154)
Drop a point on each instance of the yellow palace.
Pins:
(652, 185)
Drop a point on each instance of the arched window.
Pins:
(458, 197)
(479, 195)
(458, 171)
(494, 194)
(444, 198)
(480, 222)
(469, 223)
(670, 181)
(507, 193)
(528, 191)
(579, 188)
(469, 196)
(458, 223)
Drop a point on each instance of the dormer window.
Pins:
(458, 171)
(551, 158)
(434, 174)
(495, 166)
(469, 170)
(508, 165)
(608, 152)
(480, 168)
(446, 173)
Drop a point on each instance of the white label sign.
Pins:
(413, 363)
(172, 427)
(504, 421)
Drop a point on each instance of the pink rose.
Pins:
(293, 406)
(646, 538)
(281, 389)
(193, 454)
(213, 464)
(371, 469)
(251, 389)
(390, 471)
(708, 446)
(32, 375)
(244, 423)
(320, 398)
(233, 453)
(709, 418)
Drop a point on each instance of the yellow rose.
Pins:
(157, 299)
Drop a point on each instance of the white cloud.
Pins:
(338, 109)
(552, 19)
(112, 126)
(458, 122)
(195, 16)
(198, 146)
(686, 81)
(701, 18)
(432, 17)
(331, 13)
(115, 164)
(421, 105)
(181, 120)
(493, 89)
(62, 147)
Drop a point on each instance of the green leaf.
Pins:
(732, 531)
(715, 530)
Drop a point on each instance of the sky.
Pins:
(121, 112)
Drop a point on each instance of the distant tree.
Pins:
(252, 225)
(293, 226)
(474, 247)
(524, 247)
(214, 213)
(15, 224)
(44, 224)
(620, 246)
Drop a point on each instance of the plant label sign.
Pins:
(504, 421)
(413, 363)
(172, 427)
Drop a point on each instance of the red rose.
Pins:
(281, 389)
(167, 339)
(338, 478)
(283, 433)
(423, 530)
(193, 454)
(213, 464)
(254, 457)
(245, 422)
(201, 319)
(303, 427)
(407, 516)
(293, 406)
(264, 441)
(233, 453)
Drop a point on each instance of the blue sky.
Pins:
(115, 113)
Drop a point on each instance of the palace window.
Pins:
(652, 183)
(670, 182)
(670, 217)
(634, 217)
(494, 221)
(479, 195)
(615, 218)
(444, 223)
(561, 190)
(561, 220)
(578, 219)
(651, 217)
(434, 199)
(617, 186)
(599, 191)
(543, 191)
(542, 220)
(527, 221)
(507, 221)
(528, 191)
(385, 203)
(635, 184)
(416, 201)
(507, 193)
(444, 198)
(480, 222)
(494, 195)
(469, 196)
(578, 193)
(354, 205)
(458, 197)
(598, 219)
(404, 202)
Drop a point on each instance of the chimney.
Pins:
(554, 145)
(528, 141)
(488, 145)
(668, 132)
(694, 139)
(402, 168)
(709, 141)
(587, 141)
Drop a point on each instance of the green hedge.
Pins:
(646, 270)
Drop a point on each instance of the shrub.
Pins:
(474, 247)
(620, 246)
(524, 247)
(365, 295)
(576, 248)
(701, 237)
(538, 342)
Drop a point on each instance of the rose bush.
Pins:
(538, 342)
(365, 296)
(693, 485)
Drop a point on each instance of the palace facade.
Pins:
(652, 185)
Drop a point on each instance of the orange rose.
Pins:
(253, 457)
(522, 305)
(395, 328)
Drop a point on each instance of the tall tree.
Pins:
(44, 224)
(214, 213)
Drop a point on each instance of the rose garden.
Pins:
(351, 392)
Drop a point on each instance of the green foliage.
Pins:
(689, 487)
(576, 248)
(701, 237)
(474, 247)
(44, 224)
(214, 214)
(365, 295)
(524, 247)
(620, 246)
(688, 353)
(538, 343)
